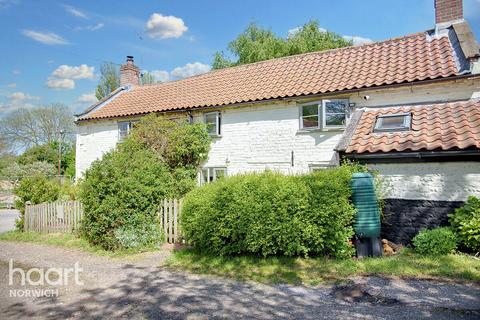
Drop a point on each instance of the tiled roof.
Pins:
(407, 59)
(440, 127)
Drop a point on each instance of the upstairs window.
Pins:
(394, 122)
(124, 128)
(213, 121)
(324, 114)
(335, 113)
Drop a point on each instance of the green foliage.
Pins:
(257, 44)
(122, 191)
(16, 171)
(178, 144)
(48, 153)
(130, 238)
(438, 241)
(147, 78)
(272, 214)
(109, 80)
(36, 189)
(466, 223)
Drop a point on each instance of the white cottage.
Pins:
(409, 107)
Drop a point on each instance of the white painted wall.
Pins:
(263, 136)
(93, 140)
(448, 181)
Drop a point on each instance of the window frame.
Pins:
(218, 122)
(407, 122)
(214, 175)
(324, 114)
(130, 124)
(321, 114)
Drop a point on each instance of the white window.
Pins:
(124, 128)
(208, 175)
(213, 121)
(335, 113)
(393, 122)
(324, 114)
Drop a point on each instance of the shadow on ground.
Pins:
(160, 294)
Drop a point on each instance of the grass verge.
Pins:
(68, 240)
(314, 271)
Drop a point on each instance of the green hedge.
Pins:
(438, 241)
(272, 214)
(466, 223)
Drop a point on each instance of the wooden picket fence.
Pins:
(60, 216)
(65, 216)
(169, 215)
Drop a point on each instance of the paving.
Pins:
(138, 289)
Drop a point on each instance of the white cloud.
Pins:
(20, 96)
(161, 75)
(63, 77)
(188, 70)
(12, 85)
(87, 98)
(358, 41)
(54, 83)
(16, 72)
(69, 72)
(75, 12)
(4, 4)
(45, 37)
(93, 27)
(164, 27)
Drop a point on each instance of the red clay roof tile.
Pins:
(442, 126)
(406, 59)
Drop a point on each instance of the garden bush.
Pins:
(35, 189)
(272, 214)
(466, 223)
(121, 192)
(438, 241)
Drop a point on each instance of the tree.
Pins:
(24, 128)
(148, 78)
(257, 44)
(109, 80)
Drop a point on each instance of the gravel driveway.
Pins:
(7, 219)
(135, 289)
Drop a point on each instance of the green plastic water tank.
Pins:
(367, 219)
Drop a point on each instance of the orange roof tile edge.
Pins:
(411, 58)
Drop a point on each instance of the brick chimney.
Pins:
(129, 73)
(448, 11)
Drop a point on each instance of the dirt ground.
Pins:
(138, 288)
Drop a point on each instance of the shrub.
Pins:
(466, 223)
(36, 189)
(122, 191)
(272, 214)
(438, 241)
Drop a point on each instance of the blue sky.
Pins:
(51, 50)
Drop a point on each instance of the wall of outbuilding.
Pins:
(421, 195)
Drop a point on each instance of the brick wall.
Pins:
(129, 75)
(448, 10)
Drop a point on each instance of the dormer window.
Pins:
(393, 122)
